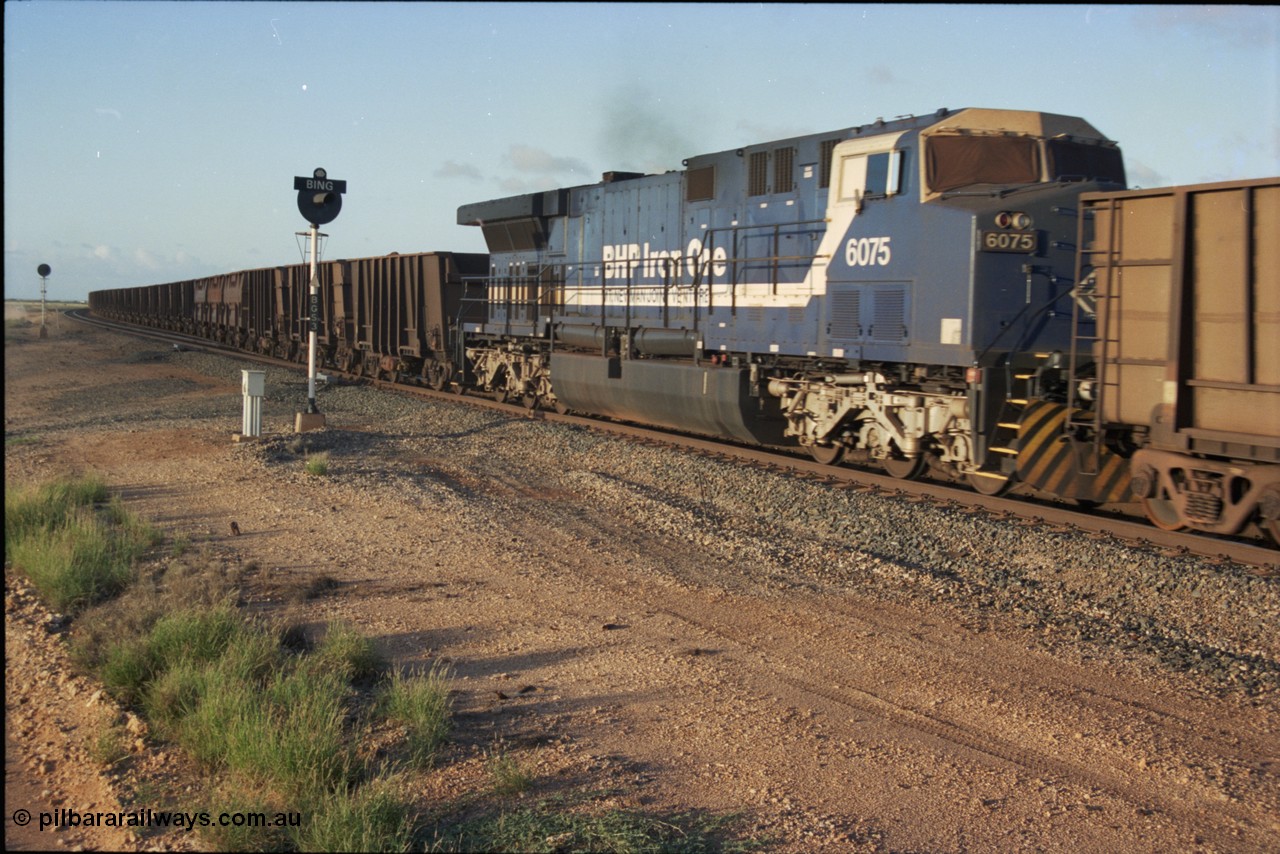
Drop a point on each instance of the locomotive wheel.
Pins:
(529, 400)
(989, 482)
(560, 408)
(904, 469)
(828, 455)
(1162, 514)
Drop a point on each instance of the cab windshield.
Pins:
(1075, 161)
(952, 162)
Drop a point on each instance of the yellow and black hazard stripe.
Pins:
(1048, 460)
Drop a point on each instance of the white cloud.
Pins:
(145, 259)
(453, 169)
(1238, 26)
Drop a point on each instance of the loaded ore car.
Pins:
(894, 291)
(394, 316)
(404, 310)
(1182, 355)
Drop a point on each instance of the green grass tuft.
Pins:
(349, 653)
(317, 464)
(74, 554)
(556, 825)
(371, 819)
(508, 777)
(421, 704)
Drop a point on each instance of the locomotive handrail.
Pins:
(501, 288)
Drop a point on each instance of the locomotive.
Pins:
(972, 293)
(888, 291)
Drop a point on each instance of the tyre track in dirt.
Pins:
(783, 656)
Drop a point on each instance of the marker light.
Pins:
(1013, 219)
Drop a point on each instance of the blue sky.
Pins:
(148, 142)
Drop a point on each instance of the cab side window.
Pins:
(870, 176)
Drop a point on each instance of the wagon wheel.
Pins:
(1163, 514)
(437, 374)
(828, 455)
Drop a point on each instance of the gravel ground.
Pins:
(1214, 620)
(887, 674)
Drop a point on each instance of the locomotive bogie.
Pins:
(862, 412)
(512, 372)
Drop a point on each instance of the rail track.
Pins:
(1023, 506)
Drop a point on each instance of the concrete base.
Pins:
(241, 437)
(307, 421)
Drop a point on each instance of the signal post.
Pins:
(319, 202)
(44, 270)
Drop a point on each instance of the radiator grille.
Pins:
(890, 315)
(784, 160)
(846, 311)
(824, 167)
(758, 173)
